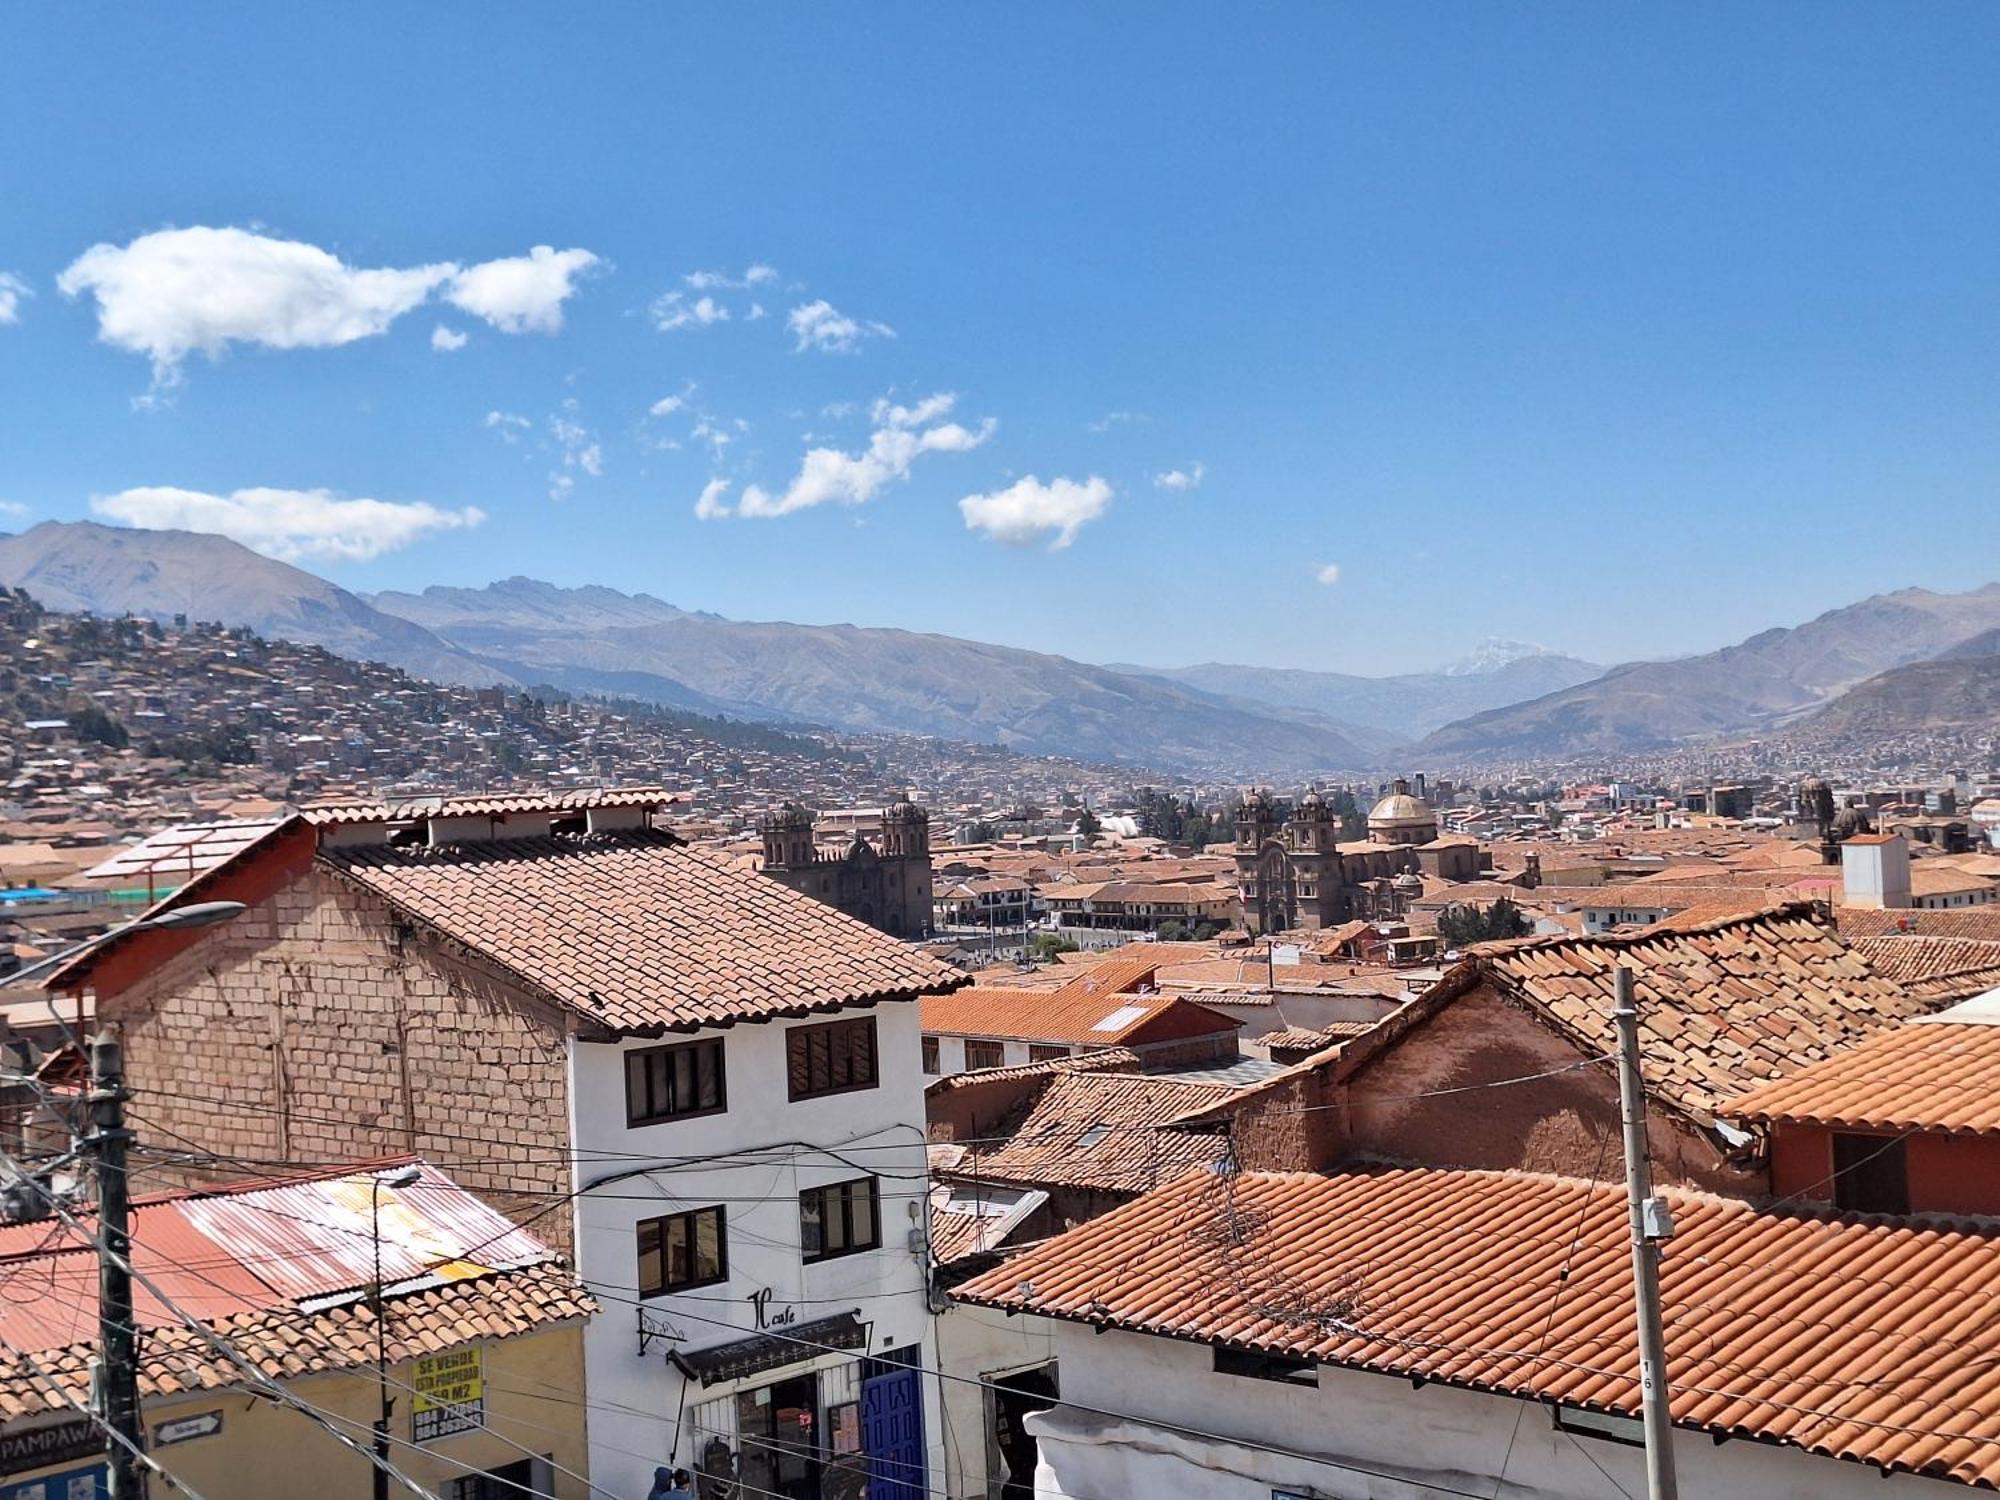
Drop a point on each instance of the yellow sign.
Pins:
(449, 1391)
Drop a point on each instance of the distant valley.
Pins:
(1507, 703)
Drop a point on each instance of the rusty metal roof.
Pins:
(233, 1252)
(1876, 1340)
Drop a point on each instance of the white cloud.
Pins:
(448, 340)
(178, 291)
(579, 445)
(1181, 479)
(560, 484)
(522, 293)
(757, 274)
(1113, 419)
(672, 310)
(711, 432)
(13, 290)
(755, 314)
(711, 506)
(288, 524)
(900, 437)
(1328, 574)
(1028, 510)
(12, 509)
(666, 406)
(822, 326)
(508, 425)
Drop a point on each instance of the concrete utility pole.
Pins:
(118, 1372)
(1651, 1224)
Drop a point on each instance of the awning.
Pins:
(770, 1351)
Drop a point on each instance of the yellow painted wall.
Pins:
(265, 1451)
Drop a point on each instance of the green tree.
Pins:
(1461, 925)
(1089, 824)
(1044, 946)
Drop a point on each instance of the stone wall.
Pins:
(317, 1029)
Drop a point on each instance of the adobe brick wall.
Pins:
(314, 1028)
(1565, 1124)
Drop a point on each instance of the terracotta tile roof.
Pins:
(1935, 1074)
(1099, 1130)
(1723, 1006)
(284, 1342)
(1871, 1340)
(641, 933)
(1907, 959)
(1110, 1060)
(1297, 1043)
(1979, 923)
(489, 804)
(1090, 1020)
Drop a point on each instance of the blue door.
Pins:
(892, 1433)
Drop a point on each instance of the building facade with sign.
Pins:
(752, 1226)
(484, 1342)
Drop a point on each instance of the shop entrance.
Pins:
(778, 1426)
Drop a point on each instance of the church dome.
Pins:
(1400, 818)
(1312, 805)
(1399, 808)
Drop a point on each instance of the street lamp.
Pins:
(175, 919)
(402, 1177)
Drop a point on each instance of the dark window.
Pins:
(1265, 1366)
(1871, 1174)
(931, 1064)
(1041, 1052)
(682, 1250)
(669, 1083)
(839, 1219)
(831, 1059)
(985, 1055)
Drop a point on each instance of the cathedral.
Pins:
(1296, 873)
(884, 881)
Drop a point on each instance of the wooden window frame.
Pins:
(841, 1195)
(642, 1057)
(933, 1056)
(669, 1288)
(1000, 1048)
(802, 1037)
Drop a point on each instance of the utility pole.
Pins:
(118, 1370)
(1651, 1224)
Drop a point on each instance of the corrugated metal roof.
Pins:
(183, 851)
(1876, 1340)
(229, 1253)
(309, 1239)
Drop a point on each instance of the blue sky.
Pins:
(1628, 330)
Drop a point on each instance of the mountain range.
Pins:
(1506, 702)
(1759, 683)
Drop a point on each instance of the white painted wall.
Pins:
(636, 1402)
(951, 1054)
(1427, 1441)
(981, 1344)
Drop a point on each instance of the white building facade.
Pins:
(1180, 1426)
(750, 1214)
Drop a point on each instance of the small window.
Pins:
(681, 1251)
(1044, 1052)
(671, 1083)
(1256, 1366)
(931, 1063)
(839, 1219)
(832, 1058)
(985, 1055)
(1871, 1174)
